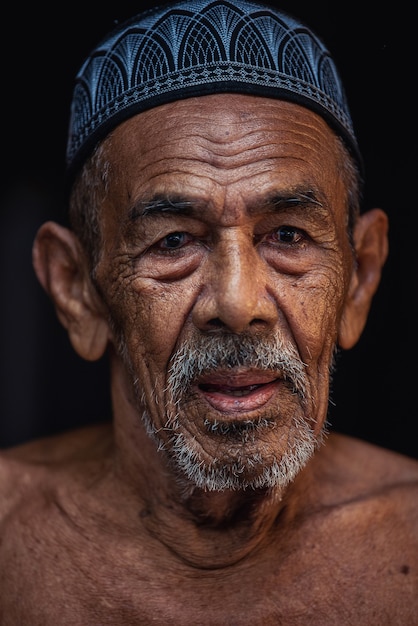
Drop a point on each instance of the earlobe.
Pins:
(62, 270)
(371, 249)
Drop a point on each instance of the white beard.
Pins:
(241, 470)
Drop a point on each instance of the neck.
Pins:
(213, 530)
(206, 529)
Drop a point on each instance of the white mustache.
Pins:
(207, 353)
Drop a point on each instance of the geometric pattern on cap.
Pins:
(198, 47)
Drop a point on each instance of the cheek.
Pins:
(162, 313)
(149, 316)
(312, 306)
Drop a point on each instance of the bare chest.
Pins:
(73, 577)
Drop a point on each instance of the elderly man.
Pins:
(219, 258)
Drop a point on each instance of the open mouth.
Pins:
(239, 393)
(230, 391)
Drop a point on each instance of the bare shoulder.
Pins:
(369, 463)
(370, 483)
(25, 469)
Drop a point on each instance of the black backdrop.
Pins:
(45, 387)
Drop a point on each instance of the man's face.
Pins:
(224, 267)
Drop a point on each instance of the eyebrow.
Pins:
(296, 199)
(299, 197)
(162, 205)
(177, 205)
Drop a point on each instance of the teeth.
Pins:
(242, 392)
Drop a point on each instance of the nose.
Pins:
(235, 293)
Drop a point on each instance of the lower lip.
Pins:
(226, 403)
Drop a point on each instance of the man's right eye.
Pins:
(173, 241)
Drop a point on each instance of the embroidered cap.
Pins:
(198, 47)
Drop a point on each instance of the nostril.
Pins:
(216, 323)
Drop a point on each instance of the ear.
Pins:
(62, 270)
(371, 250)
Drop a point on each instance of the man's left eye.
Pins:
(288, 234)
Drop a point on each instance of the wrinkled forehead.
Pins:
(201, 47)
(220, 144)
(226, 123)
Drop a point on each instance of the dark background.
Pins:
(44, 386)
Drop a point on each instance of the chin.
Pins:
(246, 458)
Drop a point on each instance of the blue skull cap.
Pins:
(198, 47)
